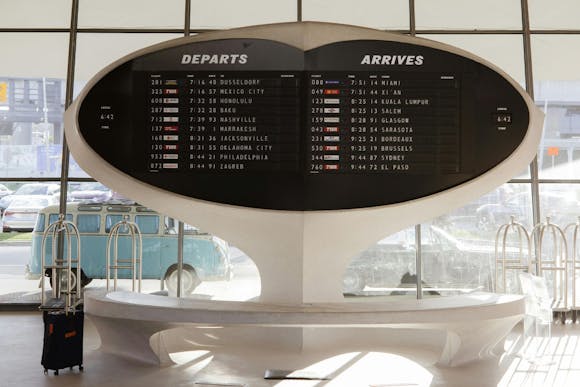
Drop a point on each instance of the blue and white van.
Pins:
(204, 255)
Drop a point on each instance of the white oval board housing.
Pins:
(302, 134)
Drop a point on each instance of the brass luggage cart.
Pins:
(572, 229)
(511, 262)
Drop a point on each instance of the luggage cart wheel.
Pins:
(81, 368)
(45, 371)
(56, 372)
(563, 317)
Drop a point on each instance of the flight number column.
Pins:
(326, 124)
(164, 122)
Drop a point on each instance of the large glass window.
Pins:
(557, 92)
(458, 248)
(387, 268)
(20, 203)
(35, 14)
(131, 14)
(468, 14)
(219, 14)
(382, 14)
(504, 51)
(455, 246)
(548, 14)
(96, 51)
(32, 72)
(560, 202)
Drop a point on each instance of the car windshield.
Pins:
(32, 190)
(29, 203)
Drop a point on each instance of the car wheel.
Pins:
(189, 280)
(63, 282)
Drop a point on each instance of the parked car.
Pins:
(22, 212)
(448, 262)
(562, 207)
(92, 192)
(30, 189)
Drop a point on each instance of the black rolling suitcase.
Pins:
(63, 340)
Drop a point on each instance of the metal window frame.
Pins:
(525, 32)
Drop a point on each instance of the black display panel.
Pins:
(258, 123)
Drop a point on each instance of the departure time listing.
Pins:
(220, 122)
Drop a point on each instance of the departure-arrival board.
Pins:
(259, 123)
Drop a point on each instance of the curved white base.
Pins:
(462, 328)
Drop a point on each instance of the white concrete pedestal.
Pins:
(460, 328)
